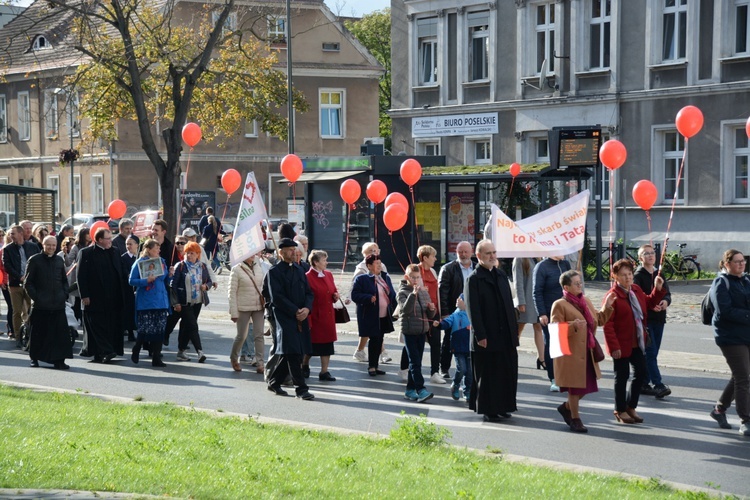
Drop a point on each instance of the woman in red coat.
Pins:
(626, 335)
(322, 320)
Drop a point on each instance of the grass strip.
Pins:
(70, 441)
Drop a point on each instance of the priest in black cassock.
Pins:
(100, 286)
(494, 335)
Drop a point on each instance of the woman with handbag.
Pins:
(246, 303)
(322, 316)
(577, 373)
(190, 283)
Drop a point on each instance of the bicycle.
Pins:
(222, 255)
(679, 264)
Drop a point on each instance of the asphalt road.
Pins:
(677, 443)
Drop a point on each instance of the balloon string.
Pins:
(182, 200)
(510, 192)
(395, 254)
(674, 202)
(346, 244)
(648, 219)
(611, 223)
(375, 213)
(414, 209)
(223, 214)
(406, 247)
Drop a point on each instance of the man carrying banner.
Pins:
(494, 337)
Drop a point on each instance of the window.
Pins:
(77, 193)
(53, 183)
(479, 45)
(276, 29)
(428, 147)
(331, 114)
(4, 199)
(674, 30)
(251, 128)
(97, 193)
(599, 30)
(478, 151)
(545, 36)
(24, 116)
(741, 154)
(741, 35)
(40, 43)
(541, 148)
(71, 115)
(229, 25)
(672, 152)
(3, 120)
(427, 45)
(331, 47)
(51, 127)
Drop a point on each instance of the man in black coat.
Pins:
(15, 257)
(290, 301)
(47, 285)
(494, 335)
(99, 283)
(119, 242)
(451, 281)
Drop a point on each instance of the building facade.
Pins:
(336, 74)
(485, 81)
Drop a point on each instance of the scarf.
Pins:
(580, 303)
(193, 278)
(637, 316)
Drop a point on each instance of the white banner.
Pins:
(560, 230)
(248, 235)
(449, 125)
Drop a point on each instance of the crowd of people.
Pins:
(470, 312)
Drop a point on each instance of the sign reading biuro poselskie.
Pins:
(560, 230)
(448, 125)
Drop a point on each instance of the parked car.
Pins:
(142, 222)
(79, 221)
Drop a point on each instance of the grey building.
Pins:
(483, 82)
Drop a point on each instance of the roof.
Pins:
(489, 173)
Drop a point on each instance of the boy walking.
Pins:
(458, 326)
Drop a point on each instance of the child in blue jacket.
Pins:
(458, 325)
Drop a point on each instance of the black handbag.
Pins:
(341, 315)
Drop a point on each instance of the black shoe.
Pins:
(648, 390)
(492, 418)
(34, 363)
(157, 362)
(306, 396)
(135, 356)
(306, 371)
(379, 372)
(505, 414)
(277, 390)
(109, 357)
(721, 418)
(60, 365)
(662, 391)
(326, 377)
(565, 412)
(540, 365)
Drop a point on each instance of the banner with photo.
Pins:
(559, 230)
(248, 236)
(193, 207)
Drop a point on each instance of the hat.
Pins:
(287, 242)
(189, 232)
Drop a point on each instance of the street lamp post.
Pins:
(71, 124)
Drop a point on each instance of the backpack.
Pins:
(707, 307)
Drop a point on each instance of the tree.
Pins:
(374, 32)
(147, 60)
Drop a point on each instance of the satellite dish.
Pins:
(542, 78)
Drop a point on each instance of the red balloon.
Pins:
(394, 217)
(191, 134)
(291, 167)
(116, 209)
(350, 191)
(515, 169)
(96, 226)
(397, 199)
(231, 180)
(689, 121)
(411, 171)
(377, 191)
(645, 194)
(747, 128)
(613, 154)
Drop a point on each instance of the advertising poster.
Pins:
(194, 205)
(461, 224)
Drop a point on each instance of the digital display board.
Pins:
(574, 147)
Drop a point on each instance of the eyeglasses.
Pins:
(741, 262)
(576, 283)
(179, 243)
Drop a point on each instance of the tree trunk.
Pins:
(170, 181)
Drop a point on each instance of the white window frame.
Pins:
(78, 208)
(276, 35)
(24, 116)
(548, 30)
(429, 39)
(729, 155)
(470, 144)
(97, 193)
(251, 129)
(41, 43)
(659, 159)
(737, 5)
(72, 107)
(230, 25)
(422, 146)
(679, 33)
(51, 119)
(3, 119)
(740, 152)
(53, 183)
(604, 23)
(4, 198)
(328, 108)
(478, 31)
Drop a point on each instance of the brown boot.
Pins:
(623, 417)
(577, 426)
(636, 418)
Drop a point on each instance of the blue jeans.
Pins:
(463, 371)
(248, 348)
(415, 350)
(655, 331)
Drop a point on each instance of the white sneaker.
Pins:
(384, 357)
(554, 387)
(404, 375)
(360, 356)
(182, 356)
(437, 379)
